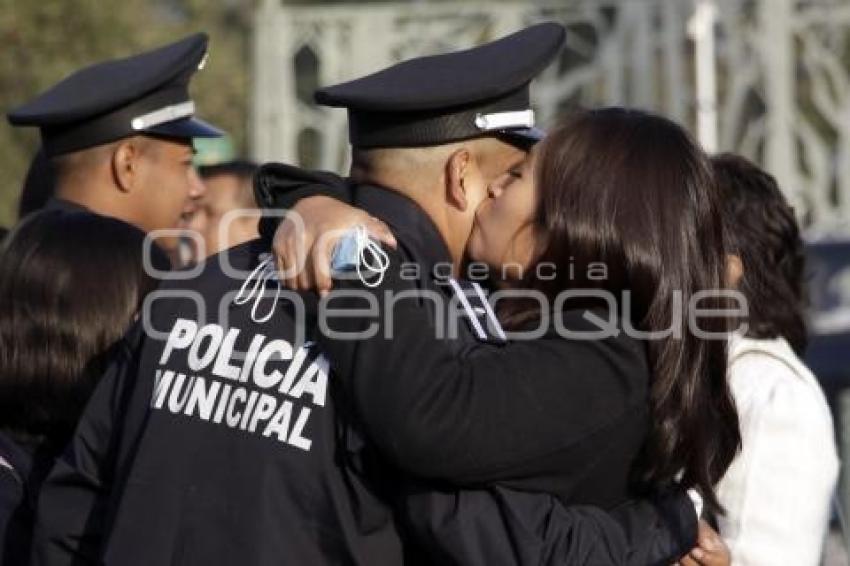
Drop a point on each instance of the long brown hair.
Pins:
(632, 191)
(70, 284)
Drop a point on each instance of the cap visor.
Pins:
(524, 138)
(186, 128)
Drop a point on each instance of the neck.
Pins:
(437, 213)
(434, 210)
(96, 195)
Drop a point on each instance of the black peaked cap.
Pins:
(449, 97)
(144, 93)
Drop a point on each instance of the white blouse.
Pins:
(777, 491)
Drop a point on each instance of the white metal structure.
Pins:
(765, 78)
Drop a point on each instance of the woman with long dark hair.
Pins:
(631, 192)
(614, 203)
(70, 286)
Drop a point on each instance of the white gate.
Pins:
(783, 81)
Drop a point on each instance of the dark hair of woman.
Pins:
(633, 191)
(70, 285)
(762, 230)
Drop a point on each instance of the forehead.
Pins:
(501, 155)
(173, 146)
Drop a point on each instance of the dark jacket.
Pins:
(552, 415)
(182, 461)
(22, 469)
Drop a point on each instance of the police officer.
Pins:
(425, 133)
(222, 437)
(118, 135)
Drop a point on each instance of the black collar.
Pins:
(57, 203)
(411, 225)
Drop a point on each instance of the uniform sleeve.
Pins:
(72, 505)
(474, 414)
(278, 187)
(501, 526)
(778, 492)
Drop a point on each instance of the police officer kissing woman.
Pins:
(588, 421)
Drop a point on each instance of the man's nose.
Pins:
(494, 190)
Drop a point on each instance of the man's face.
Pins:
(169, 185)
(503, 232)
(494, 159)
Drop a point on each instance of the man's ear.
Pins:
(125, 164)
(458, 169)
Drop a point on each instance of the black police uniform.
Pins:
(210, 464)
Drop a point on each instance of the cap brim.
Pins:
(523, 138)
(190, 127)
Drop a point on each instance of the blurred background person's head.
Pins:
(767, 257)
(70, 286)
(227, 213)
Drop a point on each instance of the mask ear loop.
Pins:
(269, 274)
(260, 276)
(371, 256)
(241, 296)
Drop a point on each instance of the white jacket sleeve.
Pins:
(778, 491)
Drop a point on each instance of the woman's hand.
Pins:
(710, 549)
(305, 240)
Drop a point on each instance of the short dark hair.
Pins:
(760, 227)
(70, 285)
(241, 168)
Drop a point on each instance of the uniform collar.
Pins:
(56, 203)
(411, 225)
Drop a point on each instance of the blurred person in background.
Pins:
(118, 135)
(229, 188)
(70, 285)
(777, 491)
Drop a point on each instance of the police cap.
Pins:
(142, 94)
(450, 97)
